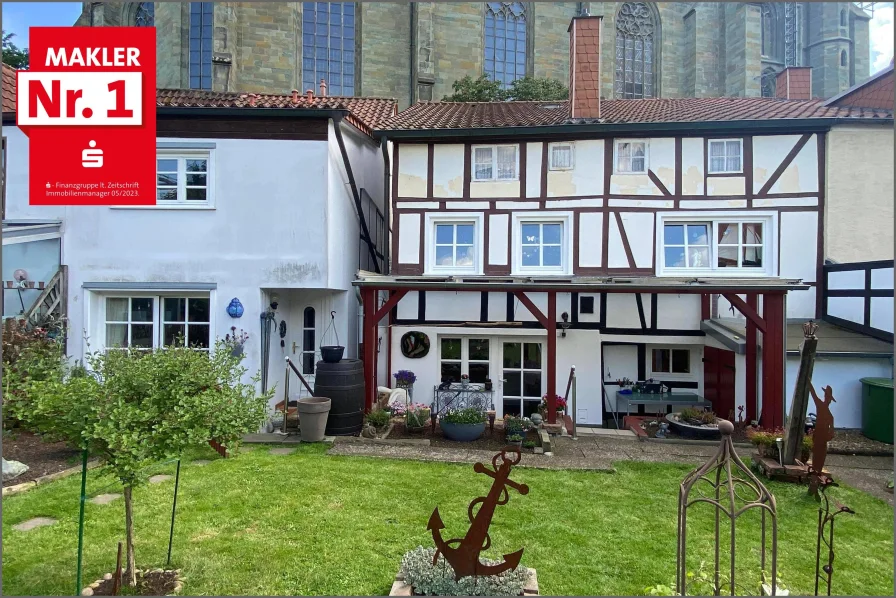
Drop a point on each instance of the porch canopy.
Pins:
(771, 323)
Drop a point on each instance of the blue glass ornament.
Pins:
(235, 309)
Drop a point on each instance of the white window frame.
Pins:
(572, 155)
(429, 240)
(494, 178)
(692, 363)
(709, 168)
(769, 221)
(566, 250)
(182, 155)
(95, 307)
(616, 143)
(465, 360)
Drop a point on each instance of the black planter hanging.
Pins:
(332, 353)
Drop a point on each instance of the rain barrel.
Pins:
(877, 409)
(343, 384)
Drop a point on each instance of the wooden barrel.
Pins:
(343, 384)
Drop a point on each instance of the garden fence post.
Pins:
(81, 518)
(575, 434)
(173, 509)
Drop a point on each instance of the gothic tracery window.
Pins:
(635, 51)
(505, 41)
(769, 79)
(772, 31)
(145, 14)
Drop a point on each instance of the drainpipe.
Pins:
(387, 204)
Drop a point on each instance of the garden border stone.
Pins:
(50, 477)
(400, 588)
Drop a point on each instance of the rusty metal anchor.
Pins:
(464, 558)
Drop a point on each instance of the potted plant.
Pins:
(463, 425)
(765, 441)
(235, 341)
(464, 380)
(405, 379)
(559, 402)
(332, 353)
(417, 416)
(379, 418)
(514, 425)
(515, 440)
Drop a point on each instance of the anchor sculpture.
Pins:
(464, 558)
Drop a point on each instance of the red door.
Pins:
(718, 381)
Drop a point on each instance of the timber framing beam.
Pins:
(749, 312)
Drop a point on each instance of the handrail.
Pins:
(291, 365)
(299, 374)
(572, 373)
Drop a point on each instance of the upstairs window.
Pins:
(202, 16)
(631, 157)
(541, 243)
(725, 156)
(183, 179)
(328, 47)
(716, 246)
(455, 245)
(495, 163)
(561, 156)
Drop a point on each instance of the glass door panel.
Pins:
(522, 378)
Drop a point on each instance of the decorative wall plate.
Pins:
(414, 345)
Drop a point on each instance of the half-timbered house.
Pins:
(530, 237)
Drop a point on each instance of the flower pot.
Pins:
(332, 354)
(515, 443)
(237, 351)
(462, 432)
(313, 413)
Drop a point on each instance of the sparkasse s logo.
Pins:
(88, 109)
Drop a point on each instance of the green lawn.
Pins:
(312, 524)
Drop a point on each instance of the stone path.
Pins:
(158, 479)
(104, 499)
(200, 462)
(27, 526)
(282, 451)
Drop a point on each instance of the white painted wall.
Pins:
(412, 169)
(587, 175)
(853, 308)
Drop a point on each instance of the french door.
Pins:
(523, 378)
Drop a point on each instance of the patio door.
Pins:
(522, 377)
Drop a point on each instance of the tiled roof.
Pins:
(876, 91)
(471, 115)
(9, 88)
(369, 111)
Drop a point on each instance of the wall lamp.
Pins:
(565, 324)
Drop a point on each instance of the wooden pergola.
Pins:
(771, 322)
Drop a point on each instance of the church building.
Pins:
(415, 51)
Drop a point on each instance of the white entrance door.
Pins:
(523, 377)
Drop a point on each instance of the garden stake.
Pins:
(81, 518)
(826, 523)
(173, 509)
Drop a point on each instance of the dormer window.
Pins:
(495, 163)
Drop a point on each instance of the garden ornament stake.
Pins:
(464, 558)
(824, 432)
(826, 535)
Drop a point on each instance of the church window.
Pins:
(328, 46)
(772, 31)
(844, 59)
(769, 78)
(636, 43)
(202, 16)
(505, 41)
(145, 14)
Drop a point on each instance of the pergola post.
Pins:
(751, 397)
(368, 299)
(773, 360)
(552, 356)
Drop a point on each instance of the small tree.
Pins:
(14, 56)
(136, 408)
(485, 89)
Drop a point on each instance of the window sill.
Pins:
(516, 180)
(723, 273)
(164, 207)
(642, 173)
(732, 173)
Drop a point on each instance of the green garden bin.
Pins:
(877, 409)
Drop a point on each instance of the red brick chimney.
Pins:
(584, 67)
(323, 88)
(794, 83)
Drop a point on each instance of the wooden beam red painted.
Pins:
(746, 310)
(704, 307)
(536, 313)
(773, 361)
(388, 305)
(551, 327)
(751, 397)
(368, 338)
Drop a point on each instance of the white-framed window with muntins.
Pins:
(726, 156)
(542, 242)
(669, 360)
(562, 155)
(631, 156)
(723, 245)
(453, 243)
(495, 163)
(145, 322)
(184, 178)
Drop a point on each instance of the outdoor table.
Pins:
(664, 399)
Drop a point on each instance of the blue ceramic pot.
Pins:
(462, 432)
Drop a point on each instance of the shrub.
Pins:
(764, 437)
(379, 418)
(470, 415)
(530, 444)
(417, 415)
(690, 413)
(32, 358)
(515, 438)
(708, 417)
(438, 580)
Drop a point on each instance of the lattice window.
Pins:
(328, 46)
(505, 41)
(145, 14)
(202, 15)
(635, 51)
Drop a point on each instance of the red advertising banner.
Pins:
(88, 107)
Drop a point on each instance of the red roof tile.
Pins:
(368, 111)
(8, 85)
(471, 115)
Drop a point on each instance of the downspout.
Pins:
(337, 122)
(387, 206)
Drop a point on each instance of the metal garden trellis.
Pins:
(728, 478)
